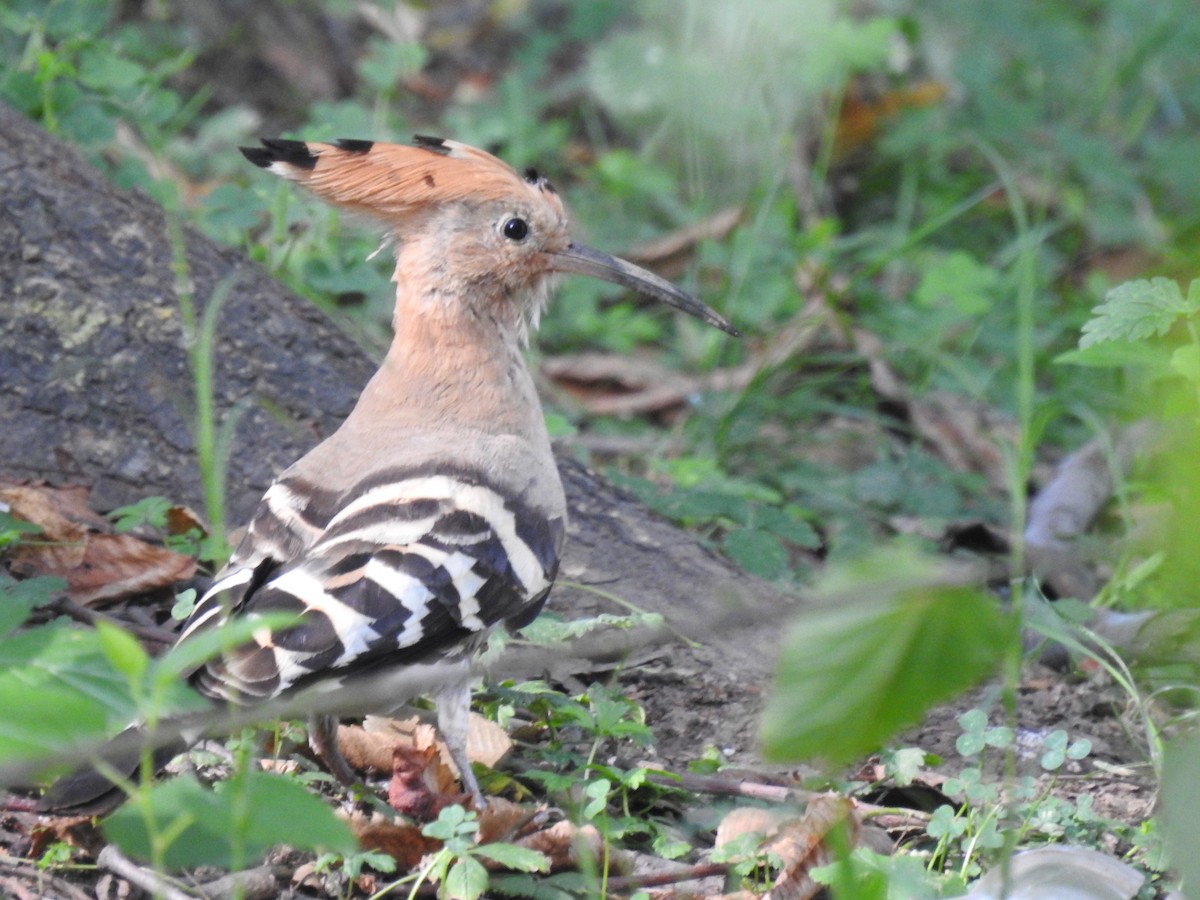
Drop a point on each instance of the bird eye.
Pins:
(516, 229)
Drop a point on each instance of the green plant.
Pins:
(853, 672)
(755, 867)
(352, 865)
(457, 868)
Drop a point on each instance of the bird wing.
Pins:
(406, 565)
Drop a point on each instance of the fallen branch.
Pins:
(115, 861)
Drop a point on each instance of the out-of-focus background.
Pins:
(857, 185)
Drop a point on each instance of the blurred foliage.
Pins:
(963, 182)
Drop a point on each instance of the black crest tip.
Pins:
(352, 145)
(273, 150)
(435, 144)
(535, 177)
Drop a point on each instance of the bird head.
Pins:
(472, 224)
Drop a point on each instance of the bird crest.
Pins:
(396, 182)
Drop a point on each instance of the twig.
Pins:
(657, 388)
(116, 862)
(29, 871)
(729, 787)
(655, 879)
(247, 885)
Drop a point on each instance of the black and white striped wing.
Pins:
(407, 568)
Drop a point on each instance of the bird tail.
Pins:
(91, 789)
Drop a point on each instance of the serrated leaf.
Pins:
(259, 808)
(1138, 310)
(852, 675)
(522, 859)
(466, 880)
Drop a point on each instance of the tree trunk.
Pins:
(98, 389)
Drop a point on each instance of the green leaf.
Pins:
(1138, 310)
(597, 793)
(945, 822)
(758, 552)
(150, 511)
(1116, 355)
(853, 674)
(1180, 793)
(123, 651)
(18, 598)
(258, 811)
(64, 669)
(1185, 361)
(958, 280)
(103, 69)
(452, 822)
(466, 880)
(511, 856)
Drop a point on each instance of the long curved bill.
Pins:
(586, 261)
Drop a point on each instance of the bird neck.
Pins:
(455, 363)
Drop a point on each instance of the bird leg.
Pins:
(454, 717)
(322, 738)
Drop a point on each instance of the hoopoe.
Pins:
(435, 512)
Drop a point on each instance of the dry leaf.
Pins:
(369, 750)
(401, 841)
(861, 117)
(75, 544)
(182, 519)
(801, 844)
(61, 542)
(487, 742)
(563, 842)
(504, 820)
(120, 565)
(799, 841)
(751, 820)
(422, 785)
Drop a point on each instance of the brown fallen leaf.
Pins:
(803, 845)
(800, 842)
(422, 785)
(402, 841)
(183, 519)
(504, 820)
(743, 820)
(487, 742)
(564, 844)
(371, 750)
(77, 544)
(60, 545)
(863, 115)
(120, 565)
